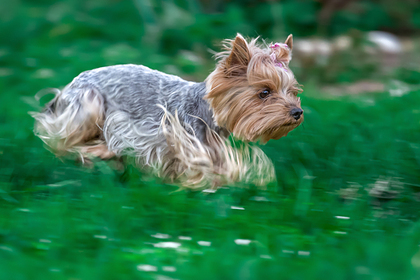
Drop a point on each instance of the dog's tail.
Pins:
(73, 119)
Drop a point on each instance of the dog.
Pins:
(178, 127)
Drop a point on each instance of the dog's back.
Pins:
(108, 110)
(180, 126)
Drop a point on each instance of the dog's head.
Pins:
(252, 91)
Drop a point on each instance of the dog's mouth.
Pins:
(284, 129)
(276, 132)
(290, 125)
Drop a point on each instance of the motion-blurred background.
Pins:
(347, 201)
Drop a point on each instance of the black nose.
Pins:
(296, 113)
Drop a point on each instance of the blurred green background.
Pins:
(347, 201)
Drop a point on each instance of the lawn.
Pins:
(345, 205)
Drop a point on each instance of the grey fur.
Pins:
(136, 90)
(129, 97)
(162, 119)
(171, 124)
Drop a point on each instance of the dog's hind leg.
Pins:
(98, 150)
(72, 122)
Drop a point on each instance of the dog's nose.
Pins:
(296, 113)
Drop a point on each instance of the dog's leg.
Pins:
(99, 150)
(138, 137)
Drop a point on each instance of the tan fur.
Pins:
(76, 123)
(289, 41)
(197, 165)
(244, 70)
(75, 127)
(98, 150)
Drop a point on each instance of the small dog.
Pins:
(181, 128)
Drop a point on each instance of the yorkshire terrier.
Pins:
(181, 128)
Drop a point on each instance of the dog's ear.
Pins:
(289, 41)
(239, 55)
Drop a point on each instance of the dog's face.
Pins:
(253, 92)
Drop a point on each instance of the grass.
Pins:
(328, 216)
(60, 220)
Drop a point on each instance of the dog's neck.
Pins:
(204, 111)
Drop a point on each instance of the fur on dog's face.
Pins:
(252, 91)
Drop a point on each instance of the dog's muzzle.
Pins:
(296, 113)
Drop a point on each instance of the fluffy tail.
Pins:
(72, 121)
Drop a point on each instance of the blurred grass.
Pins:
(328, 216)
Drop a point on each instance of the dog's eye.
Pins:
(264, 94)
(294, 92)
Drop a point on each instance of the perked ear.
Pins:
(289, 41)
(239, 55)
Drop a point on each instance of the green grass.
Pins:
(60, 220)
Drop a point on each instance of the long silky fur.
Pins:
(179, 128)
(72, 124)
(198, 165)
(232, 88)
(167, 148)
